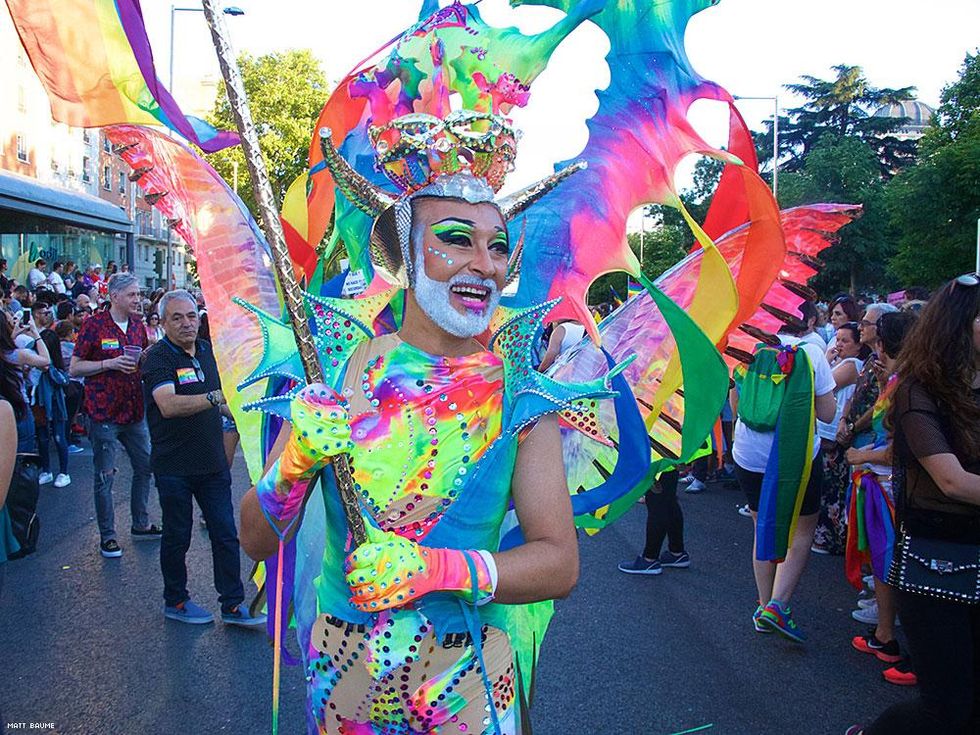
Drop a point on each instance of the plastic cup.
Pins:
(133, 352)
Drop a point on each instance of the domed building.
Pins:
(918, 115)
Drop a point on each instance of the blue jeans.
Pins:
(135, 439)
(213, 494)
(59, 431)
(26, 441)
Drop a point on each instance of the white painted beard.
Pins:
(433, 298)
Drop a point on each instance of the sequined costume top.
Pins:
(436, 440)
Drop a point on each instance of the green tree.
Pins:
(846, 170)
(935, 205)
(844, 107)
(286, 92)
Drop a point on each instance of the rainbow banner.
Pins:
(94, 59)
(633, 288)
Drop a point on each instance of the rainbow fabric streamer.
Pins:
(791, 459)
(870, 528)
(94, 59)
(232, 259)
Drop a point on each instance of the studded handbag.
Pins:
(938, 568)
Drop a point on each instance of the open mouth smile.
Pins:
(471, 296)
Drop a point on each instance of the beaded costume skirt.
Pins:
(398, 678)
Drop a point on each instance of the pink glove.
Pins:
(389, 571)
(320, 431)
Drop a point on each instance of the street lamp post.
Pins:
(230, 10)
(775, 139)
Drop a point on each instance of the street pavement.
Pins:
(84, 646)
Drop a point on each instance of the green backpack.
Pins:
(762, 387)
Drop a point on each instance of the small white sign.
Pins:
(354, 284)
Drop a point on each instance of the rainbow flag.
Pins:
(94, 59)
(633, 288)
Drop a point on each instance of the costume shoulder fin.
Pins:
(532, 394)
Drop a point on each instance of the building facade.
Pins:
(55, 183)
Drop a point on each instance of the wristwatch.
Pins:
(850, 426)
(211, 398)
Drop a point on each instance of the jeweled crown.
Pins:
(414, 150)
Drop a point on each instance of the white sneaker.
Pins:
(867, 615)
(62, 480)
(696, 486)
(744, 510)
(867, 603)
(44, 478)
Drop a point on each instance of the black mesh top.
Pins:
(922, 430)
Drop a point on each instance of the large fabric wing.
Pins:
(233, 259)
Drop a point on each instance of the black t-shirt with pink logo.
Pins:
(183, 445)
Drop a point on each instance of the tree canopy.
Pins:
(935, 205)
(286, 92)
(843, 107)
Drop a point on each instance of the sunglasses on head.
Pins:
(967, 279)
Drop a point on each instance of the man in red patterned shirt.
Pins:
(107, 356)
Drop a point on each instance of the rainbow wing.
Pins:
(233, 259)
(640, 328)
(94, 59)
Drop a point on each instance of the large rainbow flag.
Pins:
(94, 59)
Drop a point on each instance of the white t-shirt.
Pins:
(57, 282)
(35, 278)
(815, 339)
(751, 449)
(842, 396)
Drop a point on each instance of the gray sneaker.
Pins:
(240, 616)
(188, 612)
(671, 560)
(641, 566)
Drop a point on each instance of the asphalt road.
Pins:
(84, 647)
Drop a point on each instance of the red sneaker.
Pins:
(887, 652)
(901, 674)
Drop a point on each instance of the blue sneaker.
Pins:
(240, 616)
(641, 566)
(75, 449)
(760, 627)
(188, 612)
(780, 618)
(670, 560)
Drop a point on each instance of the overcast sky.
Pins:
(750, 47)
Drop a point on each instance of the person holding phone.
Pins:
(107, 355)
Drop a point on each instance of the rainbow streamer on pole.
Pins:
(94, 59)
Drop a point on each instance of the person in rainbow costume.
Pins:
(464, 477)
(408, 632)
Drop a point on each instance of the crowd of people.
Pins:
(891, 396)
(93, 356)
(883, 401)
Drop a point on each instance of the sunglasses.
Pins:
(198, 370)
(969, 280)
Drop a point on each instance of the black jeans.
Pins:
(213, 494)
(664, 517)
(944, 640)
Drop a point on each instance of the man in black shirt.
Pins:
(183, 397)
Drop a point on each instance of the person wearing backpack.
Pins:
(778, 465)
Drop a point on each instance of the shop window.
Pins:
(22, 149)
(107, 177)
